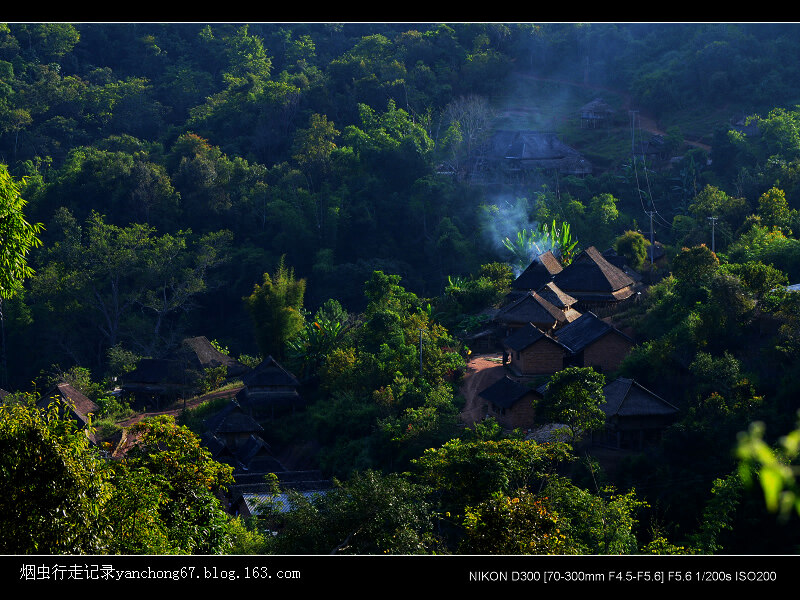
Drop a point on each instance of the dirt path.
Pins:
(190, 403)
(482, 371)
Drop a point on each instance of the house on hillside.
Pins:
(529, 351)
(531, 308)
(596, 113)
(209, 357)
(232, 426)
(157, 380)
(268, 387)
(635, 416)
(593, 342)
(560, 299)
(654, 148)
(517, 153)
(594, 281)
(73, 405)
(511, 403)
(540, 272)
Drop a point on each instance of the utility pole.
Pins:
(420, 354)
(651, 213)
(713, 224)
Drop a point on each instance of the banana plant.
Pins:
(524, 248)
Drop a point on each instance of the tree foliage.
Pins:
(275, 307)
(18, 236)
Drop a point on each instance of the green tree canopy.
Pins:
(275, 307)
(573, 398)
(17, 236)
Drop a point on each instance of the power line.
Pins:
(634, 116)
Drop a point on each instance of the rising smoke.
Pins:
(505, 218)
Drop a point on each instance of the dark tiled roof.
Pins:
(526, 336)
(589, 272)
(269, 374)
(505, 392)
(539, 272)
(626, 397)
(584, 331)
(256, 451)
(232, 419)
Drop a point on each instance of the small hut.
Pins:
(269, 387)
(635, 416)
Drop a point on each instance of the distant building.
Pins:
(516, 153)
(536, 309)
(596, 113)
(155, 380)
(540, 272)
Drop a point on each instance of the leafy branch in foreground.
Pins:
(772, 466)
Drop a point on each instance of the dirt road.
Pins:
(482, 371)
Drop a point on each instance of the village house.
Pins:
(232, 426)
(234, 438)
(635, 416)
(72, 404)
(511, 403)
(596, 113)
(593, 342)
(529, 352)
(531, 308)
(540, 272)
(268, 387)
(561, 300)
(594, 281)
(518, 153)
(158, 380)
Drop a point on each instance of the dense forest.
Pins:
(321, 194)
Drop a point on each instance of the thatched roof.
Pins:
(591, 277)
(531, 308)
(209, 357)
(535, 149)
(79, 406)
(556, 296)
(538, 273)
(627, 398)
(596, 108)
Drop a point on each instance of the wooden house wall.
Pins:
(607, 353)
